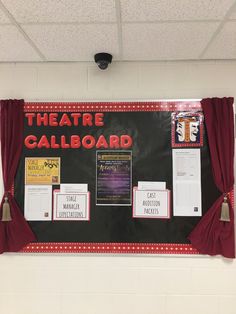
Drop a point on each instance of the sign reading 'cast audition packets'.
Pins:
(151, 204)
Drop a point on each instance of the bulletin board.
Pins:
(82, 142)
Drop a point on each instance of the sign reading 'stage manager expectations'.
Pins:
(71, 206)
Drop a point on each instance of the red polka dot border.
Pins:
(112, 106)
(135, 248)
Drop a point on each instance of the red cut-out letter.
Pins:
(65, 120)
(88, 141)
(31, 141)
(42, 119)
(53, 119)
(114, 141)
(76, 117)
(87, 119)
(43, 142)
(63, 142)
(125, 141)
(99, 119)
(75, 141)
(30, 117)
(101, 143)
(53, 142)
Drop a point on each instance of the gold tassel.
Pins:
(6, 211)
(225, 211)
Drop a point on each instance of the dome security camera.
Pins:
(103, 59)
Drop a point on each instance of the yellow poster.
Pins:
(42, 170)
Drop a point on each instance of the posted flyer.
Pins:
(114, 179)
(42, 170)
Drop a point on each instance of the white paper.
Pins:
(151, 185)
(71, 206)
(151, 204)
(187, 199)
(38, 202)
(73, 188)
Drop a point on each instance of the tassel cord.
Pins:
(6, 209)
(225, 215)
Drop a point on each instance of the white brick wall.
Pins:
(72, 284)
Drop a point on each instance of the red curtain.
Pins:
(211, 235)
(14, 234)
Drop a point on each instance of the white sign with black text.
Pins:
(38, 202)
(69, 206)
(187, 194)
(151, 204)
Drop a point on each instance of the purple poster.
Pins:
(114, 178)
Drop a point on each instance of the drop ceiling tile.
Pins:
(152, 10)
(14, 46)
(45, 11)
(166, 41)
(224, 45)
(3, 18)
(73, 42)
(233, 14)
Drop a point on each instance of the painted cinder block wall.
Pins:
(105, 284)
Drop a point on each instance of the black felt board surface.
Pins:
(152, 161)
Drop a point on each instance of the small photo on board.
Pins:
(187, 129)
